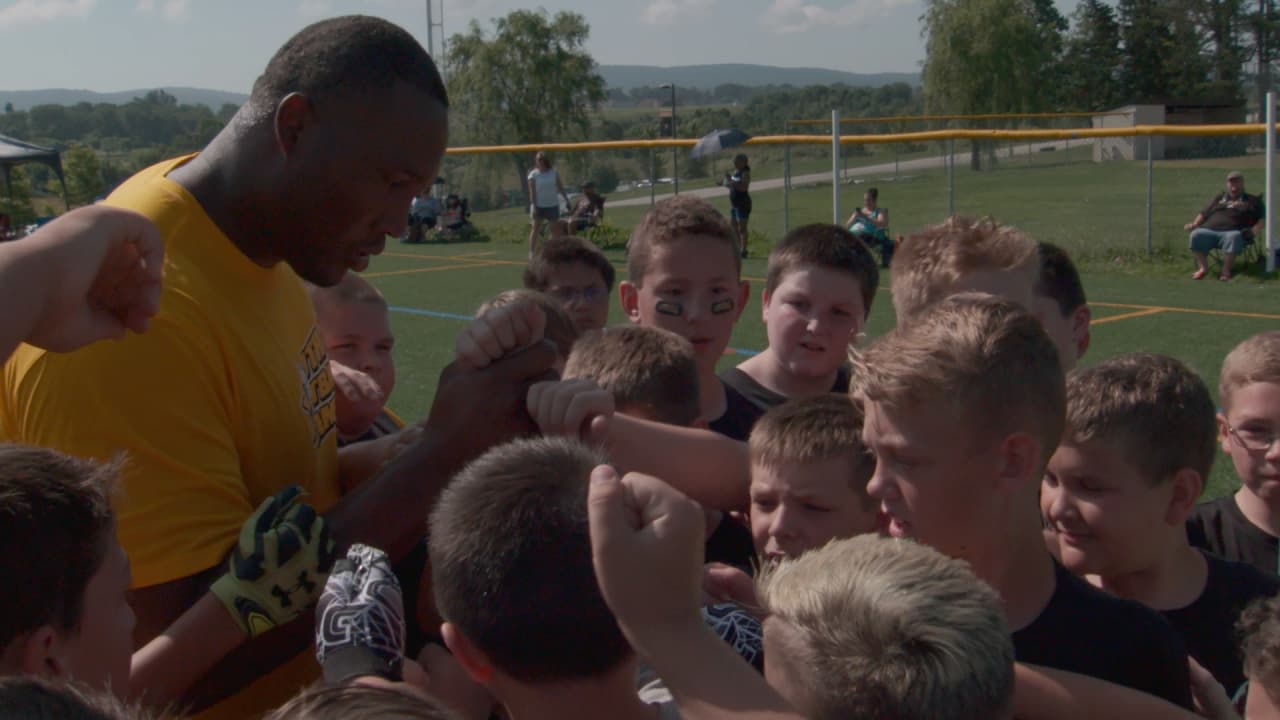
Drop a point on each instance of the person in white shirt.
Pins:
(545, 191)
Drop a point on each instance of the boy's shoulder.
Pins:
(739, 416)
(758, 395)
(1085, 630)
(1221, 528)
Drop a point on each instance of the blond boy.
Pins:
(963, 407)
(1245, 526)
(1137, 449)
(1259, 630)
(652, 373)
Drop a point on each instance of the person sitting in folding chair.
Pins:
(1227, 223)
(870, 224)
(588, 211)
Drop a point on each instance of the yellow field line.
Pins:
(476, 254)
(1194, 311)
(417, 256)
(1126, 316)
(426, 270)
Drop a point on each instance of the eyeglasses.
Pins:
(1255, 440)
(567, 295)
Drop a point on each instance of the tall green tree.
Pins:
(530, 81)
(986, 56)
(1092, 61)
(84, 174)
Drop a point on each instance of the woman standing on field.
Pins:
(545, 191)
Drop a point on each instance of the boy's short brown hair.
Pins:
(976, 354)
(56, 525)
(1256, 360)
(1059, 280)
(674, 219)
(652, 372)
(830, 247)
(354, 700)
(559, 329)
(814, 429)
(557, 252)
(1151, 408)
(929, 263)
(885, 628)
(1259, 631)
(510, 556)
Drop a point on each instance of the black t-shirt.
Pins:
(1225, 213)
(764, 399)
(731, 542)
(1208, 624)
(740, 414)
(1223, 530)
(1084, 630)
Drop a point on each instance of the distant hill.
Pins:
(707, 77)
(26, 99)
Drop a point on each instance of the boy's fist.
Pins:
(573, 408)
(499, 332)
(359, 399)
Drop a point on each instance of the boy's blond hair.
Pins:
(650, 371)
(350, 290)
(983, 357)
(884, 628)
(829, 247)
(1256, 360)
(1259, 631)
(360, 701)
(682, 217)
(814, 429)
(559, 329)
(1151, 408)
(930, 263)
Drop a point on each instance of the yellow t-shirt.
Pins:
(223, 402)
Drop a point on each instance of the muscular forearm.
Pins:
(1046, 694)
(708, 467)
(171, 663)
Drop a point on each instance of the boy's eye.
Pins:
(1050, 480)
(816, 508)
(1090, 485)
(343, 346)
(763, 504)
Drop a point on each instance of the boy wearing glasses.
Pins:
(577, 274)
(1245, 526)
(1138, 446)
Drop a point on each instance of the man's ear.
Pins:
(1019, 462)
(468, 655)
(1187, 486)
(1080, 320)
(293, 115)
(629, 297)
(1224, 432)
(764, 306)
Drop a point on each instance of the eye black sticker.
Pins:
(668, 307)
(722, 306)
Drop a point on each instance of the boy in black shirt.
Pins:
(1138, 445)
(1244, 526)
(963, 407)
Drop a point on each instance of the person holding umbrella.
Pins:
(739, 183)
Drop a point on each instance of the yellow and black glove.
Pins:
(279, 565)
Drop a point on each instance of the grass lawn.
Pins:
(1095, 211)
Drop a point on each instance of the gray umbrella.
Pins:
(717, 140)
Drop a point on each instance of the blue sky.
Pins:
(109, 45)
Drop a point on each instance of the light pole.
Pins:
(675, 151)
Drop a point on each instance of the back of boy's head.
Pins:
(56, 525)
(341, 702)
(680, 218)
(1151, 408)
(830, 247)
(559, 329)
(650, 372)
(1059, 280)
(984, 358)
(511, 566)
(814, 429)
(28, 697)
(565, 250)
(932, 262)
(1256, 360)
(350, 290)
(1259, 632)
(881, 628)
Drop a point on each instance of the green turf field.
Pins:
(1094, 211)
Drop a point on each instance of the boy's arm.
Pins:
(1042, 693)
(646, 546)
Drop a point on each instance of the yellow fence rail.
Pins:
(970, 116)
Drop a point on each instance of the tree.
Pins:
(1092, 61)
(1163, 50)
(986, 56)
(84, 174)
(532, 81)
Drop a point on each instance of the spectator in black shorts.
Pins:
(739, 183)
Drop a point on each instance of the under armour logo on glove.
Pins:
(283, 555)
(360, 626)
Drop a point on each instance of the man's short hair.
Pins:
(930, 263)
(350, 290)
(29, 697)
(1259, 631)
(353, 54)
(1059, 280)
(981, 356)
(830, 247)
(1151, 408)
(56, 525)
(681, 217)
(557, 252)
(511, 566)
(340, 702)
(814, 429)
(1256, 360)
(650, 371)
(885, 628)
(559, 329)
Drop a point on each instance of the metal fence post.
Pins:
(951, 177)
(835, 167)
(786, 180)
(1150, 182)
(1271, 168)
(652, 173)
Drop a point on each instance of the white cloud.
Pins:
(31, 12)
(315, 8)
(792, 16)
(665, 12)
